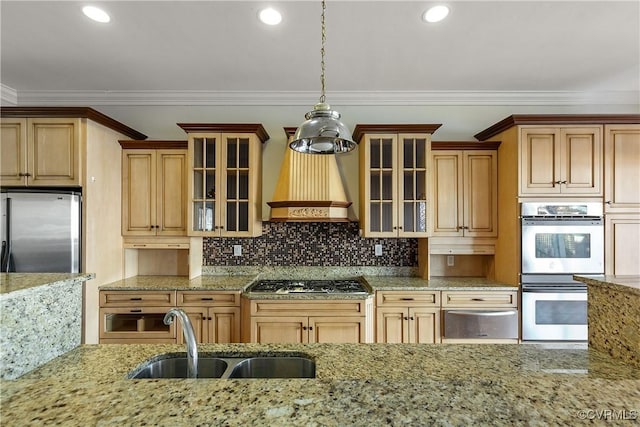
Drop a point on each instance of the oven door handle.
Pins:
(483, 313)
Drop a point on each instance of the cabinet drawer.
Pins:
(200, 299)
(480, 299)
(133, 322)
(156, 245)
(311, 308)
(137, 298)
(408, 299)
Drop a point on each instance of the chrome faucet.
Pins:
(189, 337)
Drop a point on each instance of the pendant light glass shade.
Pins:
(322, 133)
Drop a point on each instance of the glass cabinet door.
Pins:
(412, 185)
(205, 194)
(382, 183)
(237, 184)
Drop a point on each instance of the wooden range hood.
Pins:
(309, 188)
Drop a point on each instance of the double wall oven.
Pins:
(559, 239)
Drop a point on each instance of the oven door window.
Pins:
(563, 245)
(561, 312)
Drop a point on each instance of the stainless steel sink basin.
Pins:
(175, 366)
(274, 367)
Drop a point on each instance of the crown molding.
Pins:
(305, 98)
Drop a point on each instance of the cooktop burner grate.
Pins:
(309, 286)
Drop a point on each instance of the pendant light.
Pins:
(322, 132)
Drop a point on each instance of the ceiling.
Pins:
(376, 51)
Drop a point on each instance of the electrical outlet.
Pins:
(378, 250)
(450, 260)
(237, 250)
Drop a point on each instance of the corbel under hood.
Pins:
(309, 188)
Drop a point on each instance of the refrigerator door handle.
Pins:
(5, 261)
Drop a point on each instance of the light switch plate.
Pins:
(237, 250)
(378, 250)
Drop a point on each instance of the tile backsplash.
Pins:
(310, 244)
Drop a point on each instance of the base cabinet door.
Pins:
(408, 325)
(336, 330)
(280, 330)
(424, 326)
(391, 325)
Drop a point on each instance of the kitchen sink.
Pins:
(175, 366)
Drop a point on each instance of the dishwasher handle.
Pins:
(483, 313)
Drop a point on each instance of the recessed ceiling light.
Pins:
(270, 16)
(436, 14)
(96, 14)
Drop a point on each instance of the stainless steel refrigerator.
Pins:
(41, 231)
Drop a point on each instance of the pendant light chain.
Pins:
(324, 37)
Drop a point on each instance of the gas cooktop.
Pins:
(309, 287)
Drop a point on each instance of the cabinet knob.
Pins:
(411, 318)
(311, 328)
(608, 202)
(304, 328)
(405, 318)
(563, 182)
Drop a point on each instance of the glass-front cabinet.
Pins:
(394, 178)
(225, 180)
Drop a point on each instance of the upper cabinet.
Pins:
(563, 160)
(154, 188)
(394, 179)
(40, 151)
(622, 169)
(465, 189)
(224, 182)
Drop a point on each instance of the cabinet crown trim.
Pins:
(555, 119)
(152, 144)
(256, 128)
(464, 145)
(75, 112)
(361, 129)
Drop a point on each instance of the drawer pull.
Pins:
(135, 299)
(407, 299)
(206, 299)
(174, 246)
(477, 299)
(137, 310)
(139, 246)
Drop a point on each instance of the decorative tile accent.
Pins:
(310, 244)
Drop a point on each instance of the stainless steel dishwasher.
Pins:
(480, 324)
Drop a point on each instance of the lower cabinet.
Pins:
(280, 321)
(407, 317)
(138, 316)
(215, 316)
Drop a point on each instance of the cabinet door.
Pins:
(413, 161)
(447, 193)
(336, 330)
(238, 192)
(224, 325)
(280, 330)
(54, 148)
(199, 320)
(581, 155)
(139, 192)
(480, 195)
(424, 325)
(379, 186)
(539, 161)
(621, 169)
(204, 185)
(13, 152)
(171, 196)
(391, 325)
(622, 244)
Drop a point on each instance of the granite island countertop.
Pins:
(19, 284)
(356, 384)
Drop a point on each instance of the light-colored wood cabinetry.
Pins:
(563, 160)
(136, 317)
(394, 179)
(154, 188)
(407, 317)
(215, 316)
(289, 321)
(622, 199)
(465, 191)
(224, 182)
(40, 151)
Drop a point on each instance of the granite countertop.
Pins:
(16, 284)
(395, 283)
(630, 284)
(356, 384)
(181, 283)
